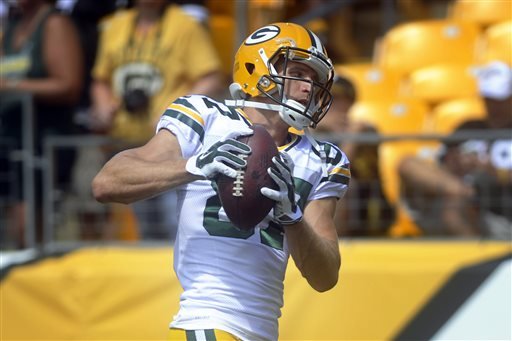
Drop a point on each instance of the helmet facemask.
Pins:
(274, 85)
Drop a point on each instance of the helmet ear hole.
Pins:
(250, 67)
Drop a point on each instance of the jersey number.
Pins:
(272, 236)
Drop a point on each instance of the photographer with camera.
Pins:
(148, 56)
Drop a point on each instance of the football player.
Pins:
(232, 279)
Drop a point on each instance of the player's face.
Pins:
(295, 89)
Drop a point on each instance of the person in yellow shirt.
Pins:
(148, 56)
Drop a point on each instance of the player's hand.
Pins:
(286, 210)
(225, 157)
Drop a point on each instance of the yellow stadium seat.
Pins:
(410, 46)
(370, 81)
(442, 82)
(403, 116)
(404, 225)
(394, 117)
(400, 116)
(482, 12)
(497, 43)
(448, 115)
(390, 155)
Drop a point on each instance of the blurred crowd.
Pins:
(422, 105)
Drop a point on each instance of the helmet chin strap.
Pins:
(240, 103)
(288, 115)
(239, 100)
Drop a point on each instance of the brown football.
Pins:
(241, 198)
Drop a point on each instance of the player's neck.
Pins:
(271, 121)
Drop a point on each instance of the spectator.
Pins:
(160, 55)
(148, 56)
(40, 55)
(467, 192)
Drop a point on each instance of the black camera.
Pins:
(136, 101)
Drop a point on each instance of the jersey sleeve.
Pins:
(336, 178)
(186, 119)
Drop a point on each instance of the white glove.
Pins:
(286, 210)
(224, 157)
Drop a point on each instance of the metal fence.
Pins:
(71, 215)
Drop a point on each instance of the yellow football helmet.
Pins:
(260, 70)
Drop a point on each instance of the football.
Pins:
(241, 198)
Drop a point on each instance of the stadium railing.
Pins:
(68, 212)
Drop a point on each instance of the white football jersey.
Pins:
(232, 279)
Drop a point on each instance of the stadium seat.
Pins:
(400, 116)
(390, 155)
(370, 81)
(497, 42)
(394, 117)
(483, 12)
(406, 116)
(442, 82)
(404, 225)
(410, 46)
(448, 115)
